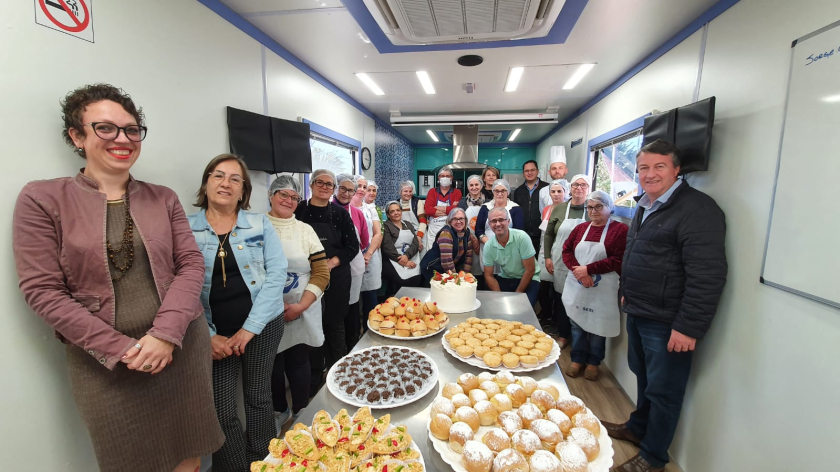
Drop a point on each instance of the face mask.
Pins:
(445, 182)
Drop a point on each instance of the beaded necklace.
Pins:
(126, 246)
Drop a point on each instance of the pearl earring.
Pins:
(81, 149)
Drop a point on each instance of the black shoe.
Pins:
(550, 329)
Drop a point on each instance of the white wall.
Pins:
(183, 64)
(765, 380)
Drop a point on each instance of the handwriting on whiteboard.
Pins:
(824, 55)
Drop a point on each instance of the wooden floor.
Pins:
(607, 400)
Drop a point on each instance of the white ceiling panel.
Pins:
(610, 33)
(265, 6)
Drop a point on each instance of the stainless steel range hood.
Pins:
(465, 148)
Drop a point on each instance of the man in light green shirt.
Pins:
(514, 252)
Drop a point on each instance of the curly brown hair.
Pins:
(201, 196)
(74, 104)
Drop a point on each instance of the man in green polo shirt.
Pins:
(514, 252)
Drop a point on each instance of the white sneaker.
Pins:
(281, 418)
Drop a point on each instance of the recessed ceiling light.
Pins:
(426, 81)
(363, 38)
(832, 99)
(514, 134)
(433, 135)
(470, 60)
(513, 77)
(370, 83)
(582, 71)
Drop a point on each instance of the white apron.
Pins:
(595, 309)
(472, 216)
(372, 278)
(408, 215)
(566, 227)
(545, 276)
(357, 271)
(402, 244)
(307, 329)
(434, 225)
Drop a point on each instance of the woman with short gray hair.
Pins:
(593, 254)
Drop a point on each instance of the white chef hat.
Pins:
(558, 154)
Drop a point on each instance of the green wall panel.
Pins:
(508, 160)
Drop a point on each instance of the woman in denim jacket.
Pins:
(245, 272)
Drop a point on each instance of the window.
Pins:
(331, 154)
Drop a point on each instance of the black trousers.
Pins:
(561, 319)
(334, 306)
(546, 299)
(292, 364)
(395, 282)
(352, 325)
(239, 449)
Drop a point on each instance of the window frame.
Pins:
(324, 134)
(592, 159)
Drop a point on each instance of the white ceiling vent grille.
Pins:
(483, 136)
(455, 21)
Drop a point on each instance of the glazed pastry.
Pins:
(586, 440)
(548, 432)
(443, 406)
(543, 385)
(489, 387)
(487, 413)
(510, 422)
(528, 384)
(516, 394)
(459, 434)
(570, 405)
(496, 439)
(543, 400)
(560, 419)
(451, 389)
(544, 461)
(469, 416)
(588, 422)
(439, 426)
(459, 400)
(528, 412)
(502, 402)
(510, 460)
(572, 457)
(477, 457)
(477, 395)
(468, 382)
(526, 442)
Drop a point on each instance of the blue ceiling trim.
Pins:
(707, 16)
(246, 27)
(626, 128)
(324, 131)
(480, 145)
(558, 34)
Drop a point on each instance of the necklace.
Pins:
(127, 245)
(222, 255)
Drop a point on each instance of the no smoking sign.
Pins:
(73, 17)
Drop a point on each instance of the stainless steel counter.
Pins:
(509, 306)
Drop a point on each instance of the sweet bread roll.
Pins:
(468, 382)
(543, 400)
(504, 378)
(513, 338)
(543, 346)
(455, 343)
(473, 342)
(484, 376)
(526, 345)
(507, 344)
(451, 389)
(528, 412)
(517, 395)
(477, 395)
(418, 328)
(405, 299)
(510, 422)
(482, 337)
(480, 351)
(403, 333)
(496, 439)
(586, 440)
(489, 342)
(400, 310)
(560, 419)
(430, 307)
(468, 415)
(443, 406)
(572, 457)
(588, 422)
(477, 457)
(527, 383)
(499, 349)
(489, 387)
(375, 319)
(386, 310)
(543, 385)
(548, 432)
(570, 405)
(529, 361)
(432, 325)
(519, 351)
(538, 353)
(403, 323)
(487, 413)
(544, 461)
(510, 460)
(502, 402)
(510, 360)
(386, 327)
(464, 351)
(459, 434)
(526, 442)
(459, 400)
(442, 318)
(498, 336)
(439, 426)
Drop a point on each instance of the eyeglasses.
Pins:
(110, 131)
(345, 189)
(218, 177)
(500, 192)
(596, 208)
(459, 220)
(287, 196)
(322, 184)
(498, 221)
(580, 185)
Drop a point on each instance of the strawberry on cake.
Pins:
(454, 292)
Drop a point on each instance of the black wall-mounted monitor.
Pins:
(269, 144)
(689, 128)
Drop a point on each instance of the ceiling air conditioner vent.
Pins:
(453, 21)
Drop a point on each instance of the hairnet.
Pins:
(475, 177)
(603, 197)
(284, 182)
(407, 183)
(503, 183)
(563, 183)
(344, 178)
(581, 176)
(319, 172)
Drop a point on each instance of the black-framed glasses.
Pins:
(345, 189)
(498, 221)
(580, 185)
(459, 219)
(287, 196)
(110, 131)
(322, 184)
(218, 177)
(500, 191)
(597, 208)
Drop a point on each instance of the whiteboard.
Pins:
(801, 253)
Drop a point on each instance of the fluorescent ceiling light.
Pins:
(370, 83)
(426, 81)
(578, 75)
(514, 75)
(363, 38)
(514, 134)
(432, 135)
(832, 99)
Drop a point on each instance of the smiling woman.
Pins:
(121, 320)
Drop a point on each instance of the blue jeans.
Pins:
(587, 348)
(661, 377)
(510, 285)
